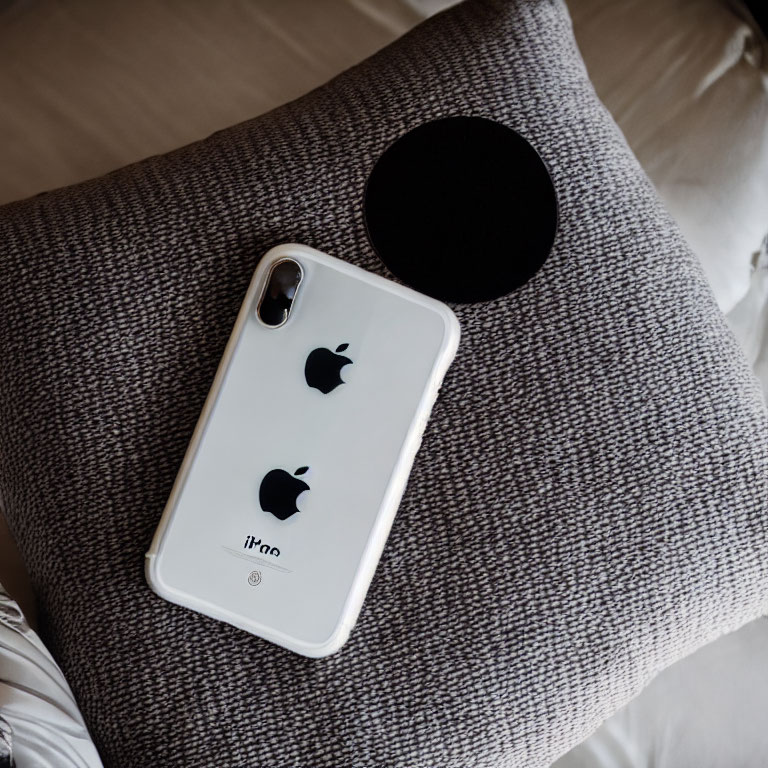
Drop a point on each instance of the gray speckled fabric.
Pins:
(589, 502)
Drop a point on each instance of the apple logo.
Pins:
(279, 490)
(323, 368)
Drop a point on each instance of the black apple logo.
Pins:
(279, 490)
(323, 368)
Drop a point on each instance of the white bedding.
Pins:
(87, 87)
(707, 711)
(38, 713)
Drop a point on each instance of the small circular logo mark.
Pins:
(254, 578)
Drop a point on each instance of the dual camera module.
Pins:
(279, 292)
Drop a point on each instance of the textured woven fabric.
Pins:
(589, 502)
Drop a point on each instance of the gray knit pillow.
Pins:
(589, 503)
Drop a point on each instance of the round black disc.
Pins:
(462, 209)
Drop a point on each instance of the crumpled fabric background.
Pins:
(40, 724)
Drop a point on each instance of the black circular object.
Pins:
(462, 209)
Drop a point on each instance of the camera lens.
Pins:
(279, 293)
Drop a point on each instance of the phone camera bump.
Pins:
(279, 293)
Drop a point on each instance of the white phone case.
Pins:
(300, 582)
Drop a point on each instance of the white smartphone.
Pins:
(288, 489)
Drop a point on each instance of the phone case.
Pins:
(288, 489)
